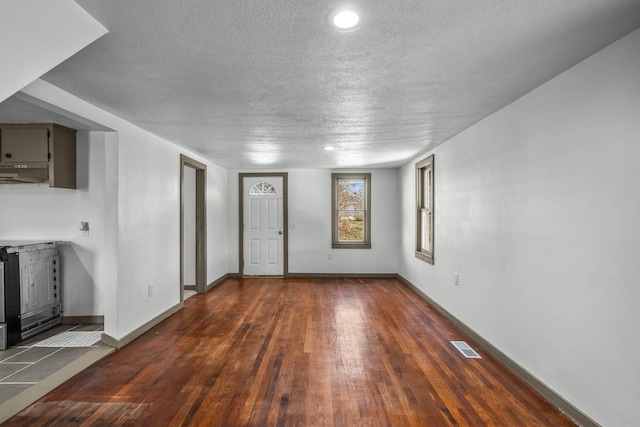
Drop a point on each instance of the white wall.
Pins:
(143, 229)
(310, 211)
(149, 226)
(42, 34)
(35, 212)
(537, 209)
(217, 222)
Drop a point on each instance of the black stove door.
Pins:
(10, 299)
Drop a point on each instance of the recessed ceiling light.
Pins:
(346, 19)
(329, 148)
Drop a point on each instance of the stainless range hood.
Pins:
(23, 174)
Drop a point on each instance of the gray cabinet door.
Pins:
(24, 145)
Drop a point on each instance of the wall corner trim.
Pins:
(119, 343)
(546, 392)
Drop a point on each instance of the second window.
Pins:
(351, 210)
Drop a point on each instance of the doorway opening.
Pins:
(263, 237)
(193, 226)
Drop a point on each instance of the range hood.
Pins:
(21, 174)
(38, 153)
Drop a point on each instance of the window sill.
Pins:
(424, 257)
(351, 245)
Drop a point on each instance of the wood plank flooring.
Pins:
(296, 352)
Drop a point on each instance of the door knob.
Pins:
(280, 232)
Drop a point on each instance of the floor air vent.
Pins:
(72, 339)
(466, 351)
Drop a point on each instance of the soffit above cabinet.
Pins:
(17, 109)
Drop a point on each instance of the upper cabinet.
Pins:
(24, 145)
(38, 153)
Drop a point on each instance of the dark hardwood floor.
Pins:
(296, 352)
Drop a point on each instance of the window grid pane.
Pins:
(263, 189)
(426, 199)
(351, 225)
(424, 232)
(351, 193)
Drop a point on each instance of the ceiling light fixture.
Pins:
(329, 148)
(345, 20)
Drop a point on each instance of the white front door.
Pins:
(263, 231)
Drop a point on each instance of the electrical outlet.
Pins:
(456, 279)
(329, 256)
(84, 228)
(150, 291)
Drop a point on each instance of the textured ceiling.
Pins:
(268, 83)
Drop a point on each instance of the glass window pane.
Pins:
(263, 189)
(424, 230)
(427, 188)
(351, 226)
(351, 193)
(430, 231)
(425, 183)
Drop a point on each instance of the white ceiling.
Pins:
(37, 35)
(268, 83)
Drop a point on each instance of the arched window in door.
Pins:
(263, 189)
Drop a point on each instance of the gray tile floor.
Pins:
(23, 366)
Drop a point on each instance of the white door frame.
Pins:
(285, 217)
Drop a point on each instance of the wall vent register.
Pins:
(466, 350)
